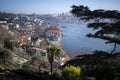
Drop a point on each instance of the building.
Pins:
(3, 22)
(35, 40)
(52, 32)
(44, 44)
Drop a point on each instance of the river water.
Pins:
(74, 39)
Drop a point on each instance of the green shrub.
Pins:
(71, 73)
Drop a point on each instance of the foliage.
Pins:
(52, 52)
(101, 65)
(3, 34)
(35, 60)
(28, 74)
(36, 64)
(106, 30)
(71, 73)
(6, 58)
(7, 54)
(8, 44)
(95, 14)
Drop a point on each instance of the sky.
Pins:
(54, 6)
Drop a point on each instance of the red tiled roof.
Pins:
(53, 28)
(52, 31)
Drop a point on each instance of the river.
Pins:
(74, 39)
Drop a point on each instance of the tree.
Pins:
(100, 65)
(3, 34)
(71, 73)
(106, 30)
(8, 44)
(52, 52)
(6, 56)
(35, 60)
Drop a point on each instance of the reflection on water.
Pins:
(74, 38)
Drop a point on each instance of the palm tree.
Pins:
(52, 52)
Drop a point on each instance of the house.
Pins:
(5, 25)
(40, 52)
(34, 51)
(35, 40)
(52, 32)
(17, 26)
(45, 44)
(3, 22)
(23, 39)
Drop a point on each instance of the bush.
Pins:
(71, 73)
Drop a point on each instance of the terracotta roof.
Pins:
(52, 31)
(53, 28)
(27, 28)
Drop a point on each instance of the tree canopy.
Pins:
(105, 22)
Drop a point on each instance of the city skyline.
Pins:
(54, 6)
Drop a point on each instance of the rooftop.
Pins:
(52, 31)
(53, 27)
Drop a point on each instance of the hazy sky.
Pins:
(54, 6)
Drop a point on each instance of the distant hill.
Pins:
(4, 15)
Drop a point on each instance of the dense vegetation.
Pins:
(100, 65)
